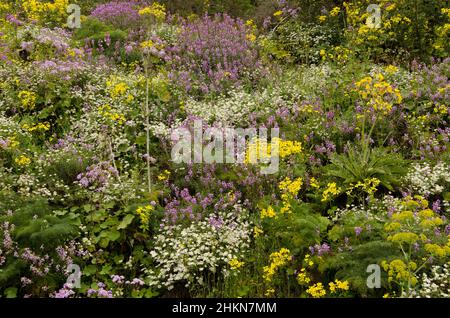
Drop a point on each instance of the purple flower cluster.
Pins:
(212, 54)
(320, 249)
(119, 14)
(65, 69)
(97, 176)
(57, 38)
(64, 292)
(101, 292)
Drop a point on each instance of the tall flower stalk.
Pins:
(154, 14)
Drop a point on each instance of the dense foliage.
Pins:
(88, 181)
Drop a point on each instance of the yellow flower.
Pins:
(270, 292)
(404, 237)
(291, 187)
(278, 13)
(268, 213)
(322, 18)
(164, 175)
(257, 231)
(313, 182)
(22, 160)
(251, 37)
(398, 271)
(330, 191)
(335, 11)
(235, 264)
(303, 278)
(391, 69)
(119, 90)
(156, 10)
(277, 260)
(28, 99)
(144, 215)
(316, 290)
(147, 44)
(39, 127)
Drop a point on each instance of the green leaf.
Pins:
(125, 222)
(111, 235)
(11, 292)
(90, 270)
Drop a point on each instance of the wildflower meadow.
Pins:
(224, 149)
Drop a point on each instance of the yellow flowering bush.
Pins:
(144, 213)
(277, 260)
(401, 26)
(331, 191)
(27, 99)
(261, 150)
(155, 10)
(338, 286)
(22, 161)
(106, 112)
(46, 11)
(164, 175)
(235, 264)
(378, 94)
(289, 189)
(317, 290)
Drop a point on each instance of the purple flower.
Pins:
(358, 230)
(119, 14)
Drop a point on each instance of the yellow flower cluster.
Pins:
(257, 231)
(289, 190)
(288, 147)
(105, 111)
(317, 290)
(235, 264)
(369, 186)
(268, 213)
(338, 285)
(39, 127)
(164, 175)
(391, 69)
(252, 30)
(291, 187)
(335, 11)
(331, 191)
(11, 143)
(144, 213)
(437, 250)
(313, 183)
(303, 277)
(400, 272)
(156, 10)
(441, 109)
(259, 149)
(338, 54)
(378, 94)
(44, 10)
(28, 99)
(277, 260)
(147, 44)
(278, 13)
(22, 161)
(119, 90)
